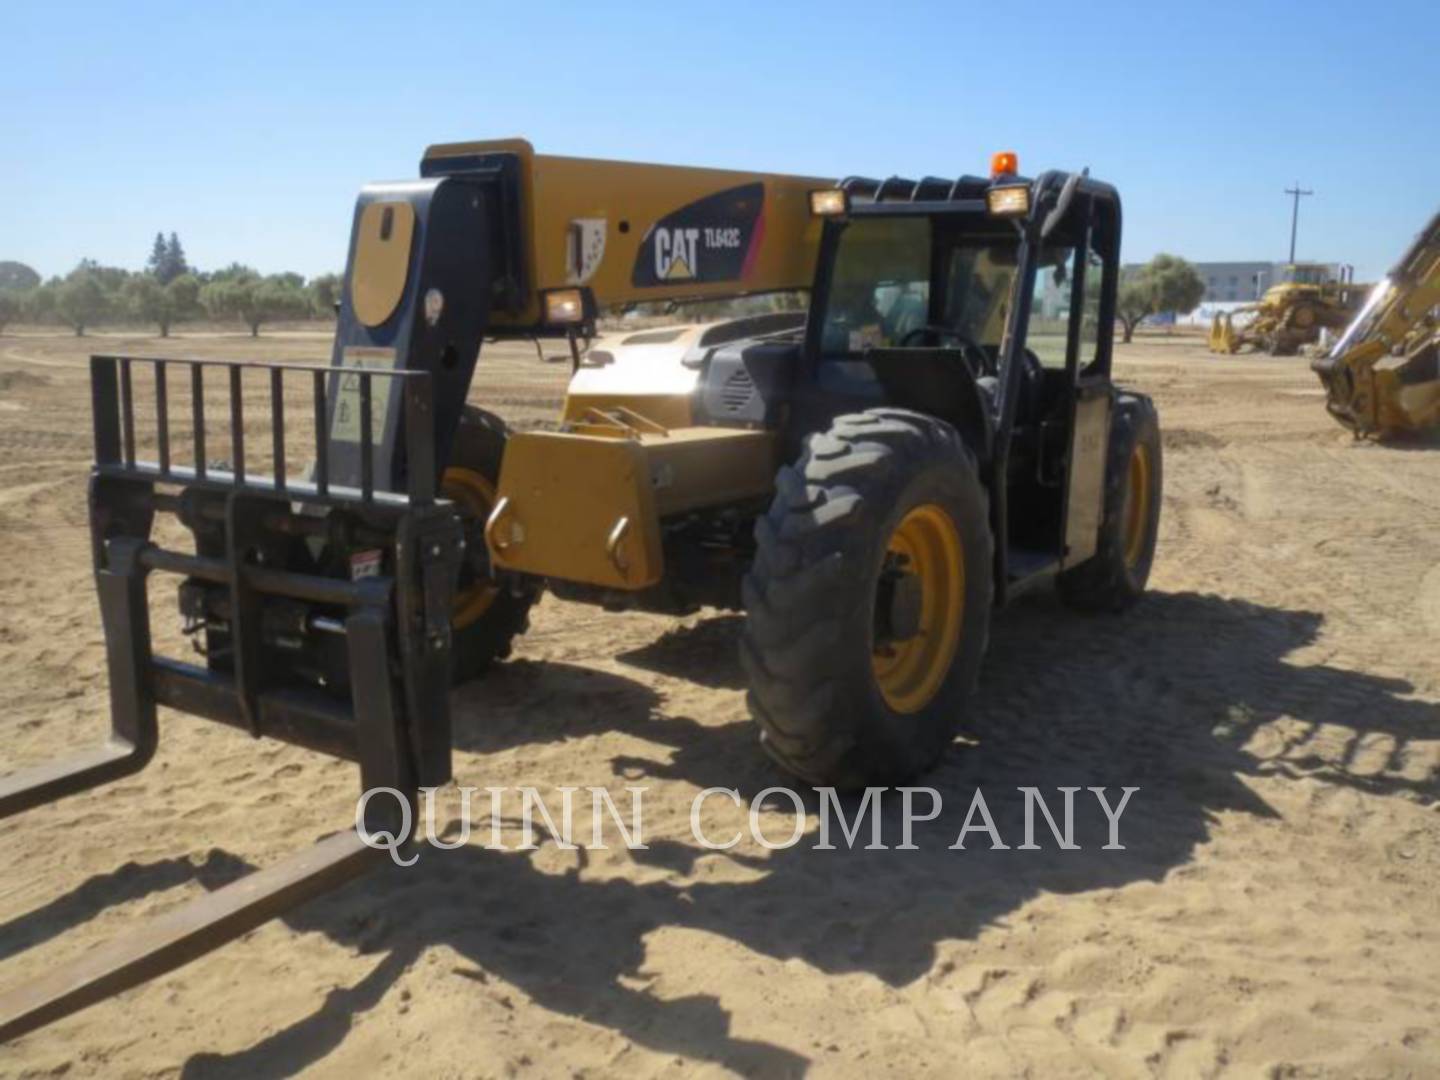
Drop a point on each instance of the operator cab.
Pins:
(1307, 274)
(999, 323)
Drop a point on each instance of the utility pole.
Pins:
(1296, 191)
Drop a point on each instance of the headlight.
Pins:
(564, 306)
(831, 202)
(1010, 201)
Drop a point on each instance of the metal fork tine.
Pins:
(176, 937)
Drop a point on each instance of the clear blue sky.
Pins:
(247, 128)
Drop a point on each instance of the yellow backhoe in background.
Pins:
(1291, 314)
(1382, 378)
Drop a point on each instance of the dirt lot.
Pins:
(1276, 700)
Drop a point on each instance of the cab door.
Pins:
(1090, 417)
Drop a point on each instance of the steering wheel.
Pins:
(975, 355)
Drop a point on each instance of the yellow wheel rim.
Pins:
(475, 497)
(1137, 505)
(910, 673)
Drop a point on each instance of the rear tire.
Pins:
(1114, 578)
(841, 697)
(487, 615)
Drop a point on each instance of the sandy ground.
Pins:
(1276, 699)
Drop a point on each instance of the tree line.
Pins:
(166, 293)
(169, 291)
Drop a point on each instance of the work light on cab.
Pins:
(1007, 199)
(829, 202)
(1010, 201)
(564, 307)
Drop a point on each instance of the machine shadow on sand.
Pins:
(1165, 699)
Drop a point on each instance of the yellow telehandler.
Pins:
(1382, 378)
(866, 479)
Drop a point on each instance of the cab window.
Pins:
(977, 290)
(1049, 329)
(1090, 320)
(880, 288)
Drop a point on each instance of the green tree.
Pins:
(184, 293)
(175, 264)
(164, 305)
(10, 306)
(255, 300)
(158, 256)
(17, 277)
(39, 303)
(111, 278)
(325, 294)
(167, 259)
(81, 299)
(283, 297)
(1165, 283)
(1133, 303)
(229, 273)
(230, 293)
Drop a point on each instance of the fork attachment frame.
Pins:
(322, 609)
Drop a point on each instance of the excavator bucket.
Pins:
(1382, 378)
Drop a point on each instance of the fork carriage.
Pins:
(353, 664)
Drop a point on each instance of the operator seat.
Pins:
(1030, 401)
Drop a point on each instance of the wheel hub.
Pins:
(898, 602)
(919, 606)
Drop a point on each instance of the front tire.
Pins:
(868, 603)
(1114, 578)
(487, 614)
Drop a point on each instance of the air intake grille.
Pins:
(737, 391)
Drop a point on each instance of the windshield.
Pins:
(880, 288)
(1307, 275)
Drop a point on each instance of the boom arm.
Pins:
(1383, 376)
(479, 244)
(633, 232)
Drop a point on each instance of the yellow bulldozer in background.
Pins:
(1291, 314)
(1382, 378)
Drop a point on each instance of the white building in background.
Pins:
(1227, 282)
